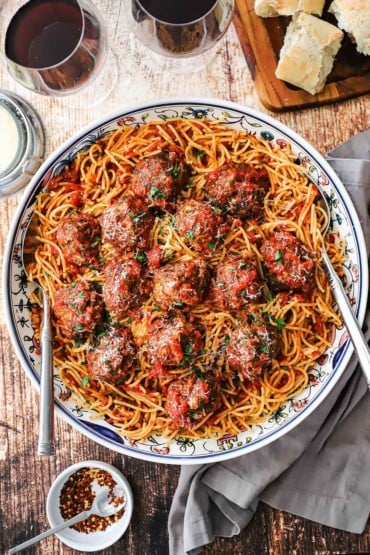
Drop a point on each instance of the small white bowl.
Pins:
(92, 541)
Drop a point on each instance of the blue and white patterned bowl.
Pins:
(323, 377)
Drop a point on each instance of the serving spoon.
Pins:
(101, 506)
(353, 327)
(46, 414)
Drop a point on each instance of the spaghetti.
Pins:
(302, 322)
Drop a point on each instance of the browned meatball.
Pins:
(181, 284)
(172, 342)
(288, 263)
(191, 399)
(127, 224)
(79, 237)
(201, 227)
(158, 178)
(252, 347)
(125, 287)
(237, 283)
(112, 359)
(238, 189)
(78, 308)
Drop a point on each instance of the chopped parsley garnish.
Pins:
(174, 172)
(172, 221)
(85, 381)
(95, 243)
(278, 256)
(136, 217)
(216, 210)
(199, 373)
(188, 349)
(140, 257)
(269, 296)
(156, 193)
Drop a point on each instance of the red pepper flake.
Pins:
(77, 495)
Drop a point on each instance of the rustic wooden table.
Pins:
(25, 477)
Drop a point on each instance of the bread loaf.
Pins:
(353, 16)
(273, 8)
(308, 53)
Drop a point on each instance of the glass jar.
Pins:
(22, 143)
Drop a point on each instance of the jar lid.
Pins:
(22, 143)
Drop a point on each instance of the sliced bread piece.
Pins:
(353, 16)
(308, 53)
(273, 8)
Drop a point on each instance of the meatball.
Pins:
(158, 178)
(127, 224)
(181, 284)
(125, 287)
(172, 342)
(252, 347)
(79, 237)
(289, 265)
(238, 189)
(191, 399)
(237, 283)
(112, 359)
(201, 226)
(78, 308)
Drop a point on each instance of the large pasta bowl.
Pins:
(324, 374)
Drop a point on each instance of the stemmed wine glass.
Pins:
(58, 48)
(181, 35)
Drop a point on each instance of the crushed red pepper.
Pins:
(77, 495)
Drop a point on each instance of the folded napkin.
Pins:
(320, 470)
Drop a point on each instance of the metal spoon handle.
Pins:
(352, 325)
(46, 417)
(54, 530)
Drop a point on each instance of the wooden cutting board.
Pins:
(262, 39)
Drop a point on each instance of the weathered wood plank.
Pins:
(26, 478)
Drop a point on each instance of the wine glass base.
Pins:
(191, 64)
(93, 94)
(97, 90)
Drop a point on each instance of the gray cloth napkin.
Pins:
(320, 470)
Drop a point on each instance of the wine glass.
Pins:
(181, 35)
(58, 48)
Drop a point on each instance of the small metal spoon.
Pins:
(101, 507)
(46, 414)
(354, 330)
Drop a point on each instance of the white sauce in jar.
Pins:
(9, 139)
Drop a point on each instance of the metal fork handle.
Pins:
(46, 416)
(352, 325)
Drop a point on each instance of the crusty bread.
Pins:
(273, 8)
(353, 16)
(307, 56)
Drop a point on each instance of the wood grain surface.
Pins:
(25, 477)
(262, 39)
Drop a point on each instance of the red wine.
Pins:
(177, 11)
(43, 33)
